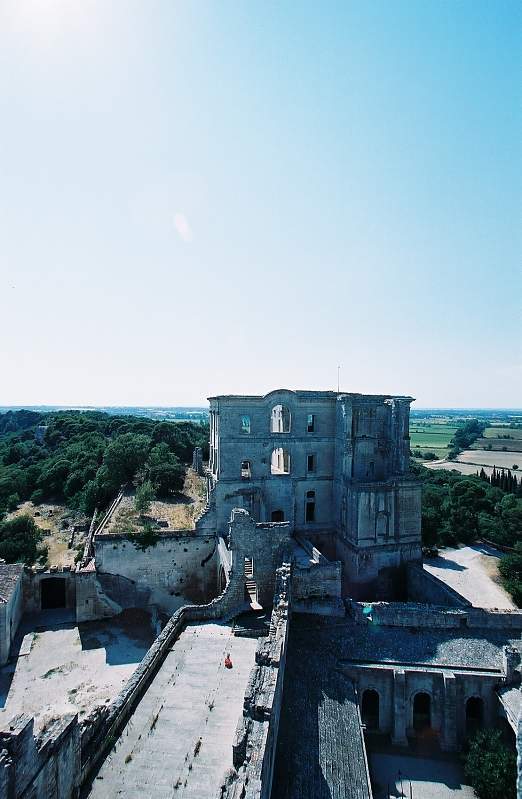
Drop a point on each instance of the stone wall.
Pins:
(255, 742)
(448, 691)
(425, 587)
(11, 613)
(177, 569)
(408, 614)
(43, 767)
(35, 578)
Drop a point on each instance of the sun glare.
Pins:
(47, 22)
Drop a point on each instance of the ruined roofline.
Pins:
(304, 394)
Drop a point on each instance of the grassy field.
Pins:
(430, 436)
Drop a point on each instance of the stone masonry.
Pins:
(334, 466)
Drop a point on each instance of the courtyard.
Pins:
(59, 667)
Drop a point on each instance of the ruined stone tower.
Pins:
(334, 466)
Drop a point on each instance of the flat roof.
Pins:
(304, 394)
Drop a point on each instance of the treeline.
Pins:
(504, 479)
(82, 458)
(465, 435)
(463, 508)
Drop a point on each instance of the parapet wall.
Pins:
(255, 740)
(409, 614)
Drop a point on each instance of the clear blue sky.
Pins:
(220, 197)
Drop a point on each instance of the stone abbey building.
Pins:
(335, 467)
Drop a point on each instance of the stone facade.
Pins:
(333, 466)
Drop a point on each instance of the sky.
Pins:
(231, 197)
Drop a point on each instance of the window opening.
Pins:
(280, 419)
(310, 506)
(280, 463)
(246, 470)
(245, 424)
(310, 423)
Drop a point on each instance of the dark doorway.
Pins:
(370, 709)
(278, 516)
(474, 714)
(53, 593)
(421, 711)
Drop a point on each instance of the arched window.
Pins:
(280, 462)
(245, 424)
(246, 470)
(310, 506)
(278, 516)
(474, 714)
(280, 419)
(370, 709)
(421, 711)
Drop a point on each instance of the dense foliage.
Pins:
(465, 435)
(20, 541)
(82, 458)
(491, 766)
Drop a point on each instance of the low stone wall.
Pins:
(409, 614)
(255, 741)
(425, 587)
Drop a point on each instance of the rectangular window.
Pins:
(310, 423)
(310, 463)
(246, 470)
(245, 424)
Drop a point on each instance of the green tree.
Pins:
(491, 766)
(144, 496)
(164, 469)
(19, 540)
(124, 456)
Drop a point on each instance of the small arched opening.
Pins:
(280, 419)
(421, 711)
(222, 580)
(280, 461)
(310, 506)
(474, 714)
(278, 516)
(52, 593)
(370, 709)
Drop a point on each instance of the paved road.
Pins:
(469, 571)
(179, 740)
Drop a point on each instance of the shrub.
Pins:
(491, 766)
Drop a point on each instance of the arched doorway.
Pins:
(474, 714)
(222, 580)
(52, 593)
(278, 516)
(370, 709)
(421, 711)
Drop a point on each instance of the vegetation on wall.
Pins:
(82, 458)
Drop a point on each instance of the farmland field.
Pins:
(455, 466)
(430, 436)
(502, 460)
